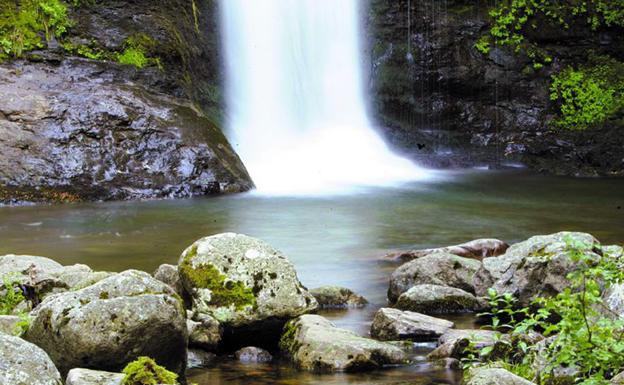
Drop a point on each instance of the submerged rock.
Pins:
(23, 363)
(435, 299)
(108, 324)
(245, 284)
(437, 269)
(537, 266)
(392, 324)
(197, 358)
(493, 376)
(80, 376)
(253, 355)
(313, 343)
(335, 297)
(477, 249)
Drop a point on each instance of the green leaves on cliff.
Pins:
(589, 95)
(25, 23)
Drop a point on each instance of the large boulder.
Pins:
(108, 324)
(436, 299)
(493, 376)
(79, 376)
(476, 249)
(22, 363)
(245, 284)
(537, 266)
(392, 324)
(437, 269)
(335, 297)
(313, 343)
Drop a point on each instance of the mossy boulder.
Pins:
(393, 324)
(436, 299)
(335, 297)
(535, 267)
(245, 284)
(442, 269)
(106, 325)
(23, 363)
(315, 344)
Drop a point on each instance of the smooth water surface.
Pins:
(331, 240)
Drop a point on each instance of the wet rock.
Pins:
(197, 358)
(437, 269)
(475, 335)
(245, 284)
(477, 249)
(80, 376)
(253, 354)
(392, 324)
(537, 266)
(335, 297)
(435, 299)
(9, 324)
(457, 343)
(108, 324)
(204, 332)
(313, 343)
(100, 137)
(24, 363)
(493, 376)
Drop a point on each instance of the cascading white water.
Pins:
(297, 114)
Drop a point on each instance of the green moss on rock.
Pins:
(145, 371)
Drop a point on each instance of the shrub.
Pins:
(145, 371)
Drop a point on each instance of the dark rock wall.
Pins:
(79, 129)
(442, 102)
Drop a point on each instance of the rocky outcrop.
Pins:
(80, 376)
(24, 363)
(493, 376)
(315, 344)
(441, 269)
(476, 249)
(335, 297)
(108, 324)
(392, 324)
(439, 99)
(249, 287)
(537, 266)
(252, 354)
(436, 299)
(99, 136)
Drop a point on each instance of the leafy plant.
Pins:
(12, 296)
(145, 371)
(137, 51)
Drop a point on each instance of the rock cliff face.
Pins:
(441, 101)
(80, 129)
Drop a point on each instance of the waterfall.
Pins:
(296, 109)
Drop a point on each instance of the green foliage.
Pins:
(24, 24)
(589, 95)
(587, 336)
(12, 296)
(145, 371)
(137, 51)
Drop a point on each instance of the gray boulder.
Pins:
(169, 274)
(204, 332)
(477, 249)
(392, 324)
(23, 363)
(80, 376)
(435, 299)
(249, 287)
(335, 297)
(10, 324)
(537, 266)
(454, 342)
(493, 376)
(197, 358)
(437, 269)
(252, 354)
(315, 344)
(108, 324)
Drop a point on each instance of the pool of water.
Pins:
(331, 240)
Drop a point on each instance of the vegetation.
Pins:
(145, 371)
(137, 50)
(585, 336)
(11, 297)
(585, 95)
(589, 95)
